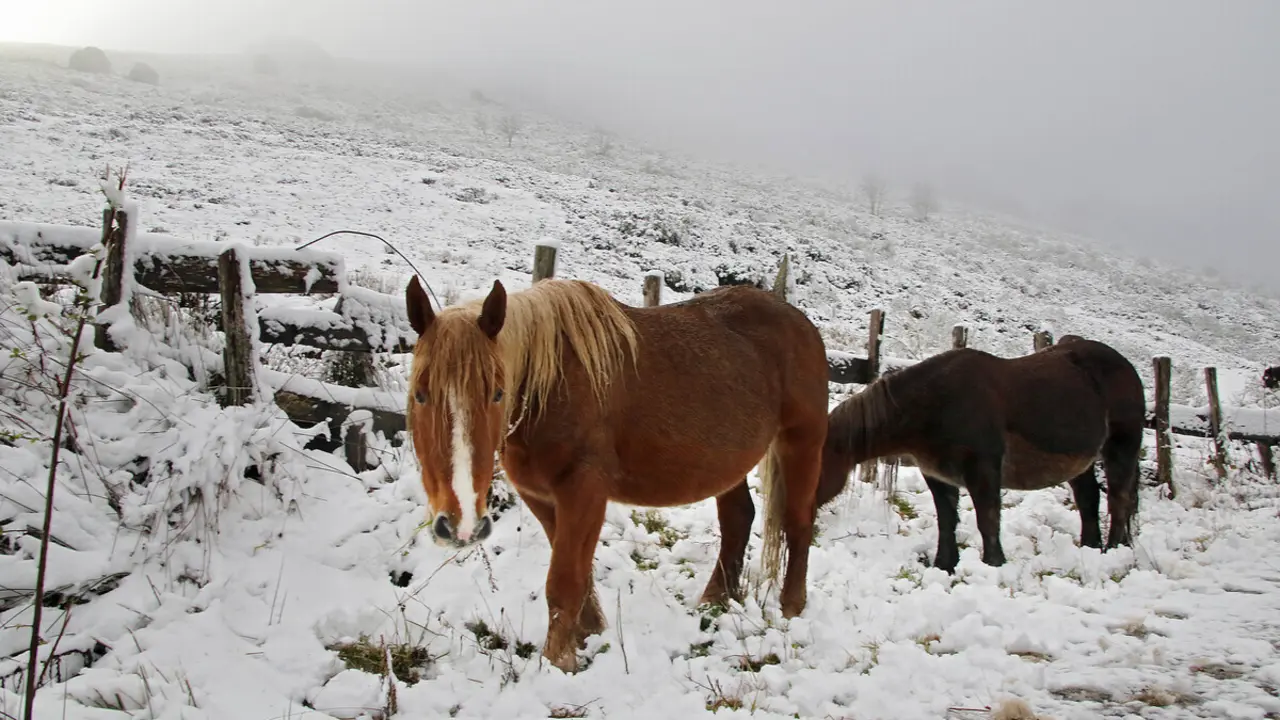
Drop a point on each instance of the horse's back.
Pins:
(1114, 377)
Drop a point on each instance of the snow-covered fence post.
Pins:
(875, 331)
(1163, 367)
(355, 443)
(544, 259)
(237, 354)
(1215, 422)
(115, 230)
(780, 281)
(1041, 340)
(653, 289)
(959, 337)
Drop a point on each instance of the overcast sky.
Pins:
(1153, 125)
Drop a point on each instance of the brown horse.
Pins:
(588, 400)
(980, 422)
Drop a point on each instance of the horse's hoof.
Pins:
(566, 660)
(793, 608)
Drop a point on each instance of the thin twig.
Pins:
(622, 640)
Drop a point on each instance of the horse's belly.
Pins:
(681, 478)
(1027, 467)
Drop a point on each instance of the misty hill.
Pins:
(218, 151)
(205, 564)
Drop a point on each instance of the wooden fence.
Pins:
(365, 321)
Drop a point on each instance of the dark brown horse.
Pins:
(588, 400)
(980, 422)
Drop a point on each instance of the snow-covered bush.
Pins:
(90, 59)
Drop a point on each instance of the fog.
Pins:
(1152, 126)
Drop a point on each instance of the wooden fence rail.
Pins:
(365, 321)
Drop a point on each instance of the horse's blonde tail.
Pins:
(774, 488)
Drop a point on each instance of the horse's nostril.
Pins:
(442, 528)
(484, 528)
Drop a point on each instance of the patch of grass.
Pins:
(407, 661)
(903, 506)
(525, 649)
(750, 664)
(906, 573)
(568, 711)
(1033, 656)
(642, 562)
(874, 648)
(927, 641)
(653, 521)
(1155, 696)
(701, 649)
(724, 702)
(486, 637)
(710, 612)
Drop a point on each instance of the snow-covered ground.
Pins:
(216, 563)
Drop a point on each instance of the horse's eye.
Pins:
(420, 397)
(497, 395)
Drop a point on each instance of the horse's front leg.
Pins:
(591, 620)
(579, 513)
(736, 510)
(946, 500)
(982, 480)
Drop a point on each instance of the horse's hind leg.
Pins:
(946, 500)
(1120, 460)
(1084, 487)
(591, 619)
(736, 510)
(801, 462)
(580, 509)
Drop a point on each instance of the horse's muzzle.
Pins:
(443, 532)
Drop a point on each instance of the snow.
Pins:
(219, 561)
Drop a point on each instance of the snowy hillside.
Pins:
(208, 567)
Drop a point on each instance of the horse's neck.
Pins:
(874, 427)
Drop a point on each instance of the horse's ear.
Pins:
(494, 312)
(418, 305)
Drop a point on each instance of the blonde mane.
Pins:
(527, 364)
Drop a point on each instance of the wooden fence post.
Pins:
(875, 331)
(544, 261)
(1267, 458)
(237, 354)
(1215, 422)
(959, 337)
(1041, 340)
(780, 281)
(653, 289)
(115, 225)
(1164, 443)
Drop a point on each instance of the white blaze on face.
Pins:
(460, 461)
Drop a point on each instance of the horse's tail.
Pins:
(773, 486)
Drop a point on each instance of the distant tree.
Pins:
(923, 200)
(144, 73)
(482, 123)
(510, 125)
(873, 189)
(604, 142)
(90, 59)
